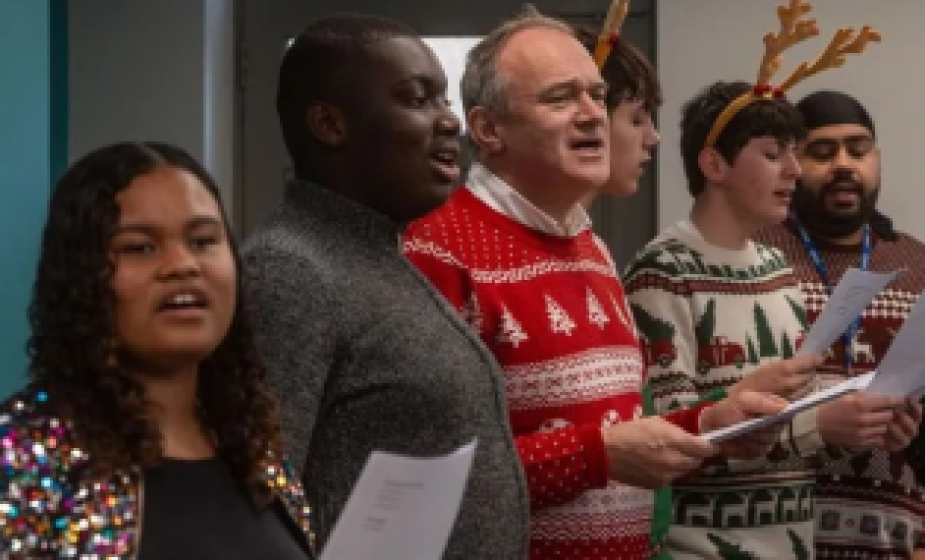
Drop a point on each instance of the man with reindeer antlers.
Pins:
(834, 225)
(725, 305)
(513, 251)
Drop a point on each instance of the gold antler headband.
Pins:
(793, 30)
(610, 32)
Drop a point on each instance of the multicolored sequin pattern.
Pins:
(49, 508)
(285, 484)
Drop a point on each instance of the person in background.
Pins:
(145, 430)
(867, 504)
(512, 250)
(633, 94)
(714, 306)
(364, 354)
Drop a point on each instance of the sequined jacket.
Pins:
(52, 507)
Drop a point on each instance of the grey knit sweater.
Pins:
(365, 355)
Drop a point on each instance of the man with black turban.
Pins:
(869, 503)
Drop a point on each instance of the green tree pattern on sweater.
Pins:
(729, 551)
(800, 552)
(706, 326)
(752, 353)
(766, 346)
(799, 312)
(650, 326)
(786, 349)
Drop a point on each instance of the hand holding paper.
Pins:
(855, 292)
(789, 379)
(904, 427)
(738, 407)
(815, 399)
(859, 421)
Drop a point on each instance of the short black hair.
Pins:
(775, 117)
(313, 69)
(628, 73)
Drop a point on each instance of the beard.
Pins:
(810, 207)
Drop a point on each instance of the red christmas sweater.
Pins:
(552, 311)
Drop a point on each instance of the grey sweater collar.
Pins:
(319, 203)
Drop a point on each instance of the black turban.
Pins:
(824, 108)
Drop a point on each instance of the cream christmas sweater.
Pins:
(707, 317)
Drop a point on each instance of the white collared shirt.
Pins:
(501, 197)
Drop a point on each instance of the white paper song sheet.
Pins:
(853, 293)
(901, 372)
(810, 401)
(401, 507)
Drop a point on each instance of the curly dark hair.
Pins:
(73, 328)
(777, 118)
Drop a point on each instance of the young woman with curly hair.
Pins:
(145, 431)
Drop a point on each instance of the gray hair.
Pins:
(481, 84)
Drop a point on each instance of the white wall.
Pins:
(701, 41)
(452, 52)
(155, 70)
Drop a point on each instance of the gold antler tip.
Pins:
(793, 29)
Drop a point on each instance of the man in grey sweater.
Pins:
(363, 353)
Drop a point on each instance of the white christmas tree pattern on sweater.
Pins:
(559, 320)
(596, 312)
(509, 330)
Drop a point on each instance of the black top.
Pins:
(195, 510)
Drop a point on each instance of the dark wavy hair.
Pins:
(628, 73)
(777, 118)
(72, 315)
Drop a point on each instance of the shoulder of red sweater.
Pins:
(443, 214)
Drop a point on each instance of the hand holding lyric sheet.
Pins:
(853, 293)
(807, 402)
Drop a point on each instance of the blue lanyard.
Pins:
(817, 261)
